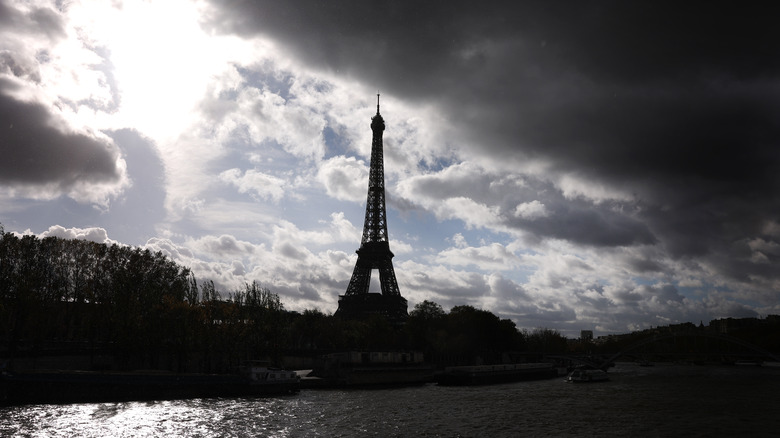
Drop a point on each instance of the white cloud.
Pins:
(341, 229)
(344, 178)
(400, 247)
(462, 191)
(575, 186)
(531, 210)
(459, 241)
(486, 258)
(457, 180)
(94, 234)
(224, 245)
(252, 181)
(338, 230)
(473, 213)
(170, 249)
(268, 116)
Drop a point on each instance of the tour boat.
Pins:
(581, 375)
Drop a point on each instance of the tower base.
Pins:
(362, 305)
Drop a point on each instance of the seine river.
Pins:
(659, 401)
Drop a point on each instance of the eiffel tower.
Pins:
(374, 252)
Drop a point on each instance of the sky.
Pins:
(605, 166)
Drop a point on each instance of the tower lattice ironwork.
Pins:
(374, 252)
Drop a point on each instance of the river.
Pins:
(659, 401)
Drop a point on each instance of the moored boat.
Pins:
(490, 374)
(582, 375)
(367, 369)
(261, 376)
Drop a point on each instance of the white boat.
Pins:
(259, 373)
(581, 375)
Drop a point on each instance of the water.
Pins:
(658, 401)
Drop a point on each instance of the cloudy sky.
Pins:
(607, 166)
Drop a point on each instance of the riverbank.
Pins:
(58, 387)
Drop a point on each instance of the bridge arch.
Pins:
(693, 334)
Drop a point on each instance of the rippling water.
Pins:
(657, 401)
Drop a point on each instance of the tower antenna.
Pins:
(377, 103)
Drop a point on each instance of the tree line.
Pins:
(128, 308)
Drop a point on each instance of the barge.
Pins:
(491, 374)
(367, 369)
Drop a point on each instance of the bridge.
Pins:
(705, 345)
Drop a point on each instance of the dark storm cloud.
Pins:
(675, 103)
(35, 151)
(596, 227)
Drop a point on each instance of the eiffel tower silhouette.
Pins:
(374, 252)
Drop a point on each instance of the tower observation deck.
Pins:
(374, 251)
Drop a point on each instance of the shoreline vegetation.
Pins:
(80, 305)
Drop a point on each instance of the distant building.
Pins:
(586, 335)
(730, 325)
